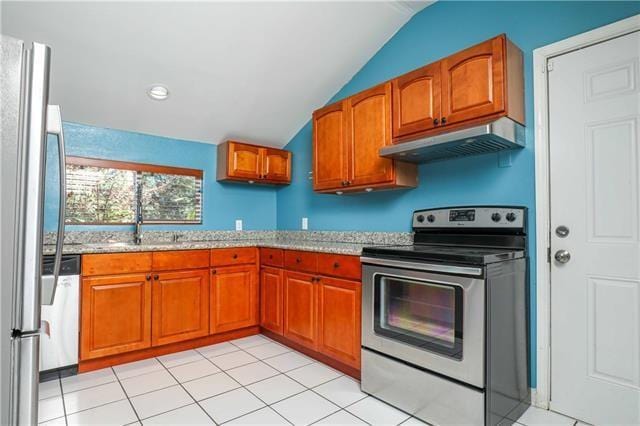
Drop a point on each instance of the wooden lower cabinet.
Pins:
(271, 299)
(339, 304)
(180, 306)
(300, 323)
(233, 298)
(115, 315)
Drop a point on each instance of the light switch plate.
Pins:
(305, 223)
(238, 224)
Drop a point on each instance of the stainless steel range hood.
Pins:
(497, 135)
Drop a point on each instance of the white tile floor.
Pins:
(249, 381)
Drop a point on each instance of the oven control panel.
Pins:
(472, 217)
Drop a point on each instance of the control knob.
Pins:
(431, 218)
(420, 218)
(496, 217)
(511, 216)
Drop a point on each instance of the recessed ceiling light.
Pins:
(158, 92)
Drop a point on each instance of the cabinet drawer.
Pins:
(233, 256)
(272, 257)
(180, 259)
(115, 263)
(339, 266)
(301, 260)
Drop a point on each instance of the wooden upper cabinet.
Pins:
(473, 82)
(347, 137)
(239, 161)
(180, 306)
(339, 305)
(271, 299)
(115, 315)
(233, 298)
(329, 147)
(416, 101)
(369, 129)
(243, 160)
(300, 322)
(276, 165)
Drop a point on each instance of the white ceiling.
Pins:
(247, 70)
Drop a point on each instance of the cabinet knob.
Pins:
(444, 120)
(156, 277)
(336, 265)
(436, 121)
(235, 255)
(213, 271)
(298, 260)
(148, 277)
(343, 183)
(270, 256)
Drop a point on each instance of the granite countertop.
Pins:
(317, 246)
(337, 242)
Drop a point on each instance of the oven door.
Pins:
(433, 320)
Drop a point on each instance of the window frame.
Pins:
(138, 167)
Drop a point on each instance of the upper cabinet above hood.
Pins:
(471, 102)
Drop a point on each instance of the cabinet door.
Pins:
(234, 298)
(300, 308)
(115, 315)
(271, 299)
(339, 304)
(368, 130)
(329, 147)
(473, 82)
(245, 161)
(180, 306)
(416, 101)
(276, 165)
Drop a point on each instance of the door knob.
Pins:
(563, 256)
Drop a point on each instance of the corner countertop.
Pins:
(317, 246)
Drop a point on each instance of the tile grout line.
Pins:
(64, 405)
(185, 389)
(127, 396)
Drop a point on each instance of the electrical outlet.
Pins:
(305, 223)
(238, 224)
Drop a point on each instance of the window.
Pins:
(106, 192)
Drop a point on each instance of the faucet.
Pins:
(137, 234)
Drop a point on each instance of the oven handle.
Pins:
(449, 269)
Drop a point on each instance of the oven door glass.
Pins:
(420, 313)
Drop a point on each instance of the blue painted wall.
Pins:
(223, 203)
(438, 31)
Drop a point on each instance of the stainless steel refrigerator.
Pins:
(27, 118)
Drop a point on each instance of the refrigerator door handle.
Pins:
(50, 282)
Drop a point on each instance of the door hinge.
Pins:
(548, 254)
(549, 66)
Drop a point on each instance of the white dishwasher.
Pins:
(60, 321)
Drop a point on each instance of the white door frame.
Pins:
(541, 56)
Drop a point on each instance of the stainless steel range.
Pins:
(444, 321)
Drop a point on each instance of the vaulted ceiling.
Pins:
(247, 70)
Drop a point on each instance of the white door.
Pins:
(594, 107)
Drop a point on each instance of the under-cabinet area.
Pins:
(145, 304)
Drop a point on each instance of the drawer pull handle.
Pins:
(156, 277)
